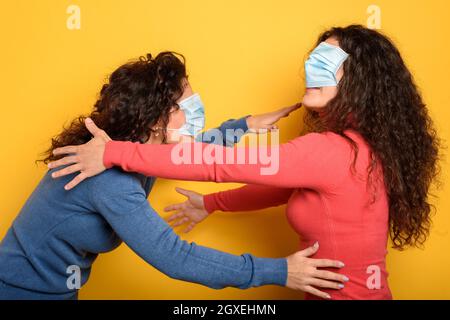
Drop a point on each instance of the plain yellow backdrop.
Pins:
(243, 57)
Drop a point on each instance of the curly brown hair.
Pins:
(137, 96)
(378, 97)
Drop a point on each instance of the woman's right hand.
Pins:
(191, 211)
(304, 275)
(86, 158)
(266, 121)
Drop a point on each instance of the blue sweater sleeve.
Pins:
(229, 133)
(130, 215)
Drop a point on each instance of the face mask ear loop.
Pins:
(337, 69)
(344, 58)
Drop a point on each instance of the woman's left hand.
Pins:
(86, 158)
(266, 121)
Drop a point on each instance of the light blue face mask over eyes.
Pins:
(323, 64)
(194, 112)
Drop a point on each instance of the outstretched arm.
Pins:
(247, 198)
(231, 131)
(198, 207)
(316, 161)
(313, 161)
(126, 209)
(227, 134)
(143, 230)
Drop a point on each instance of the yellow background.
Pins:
(243, 57)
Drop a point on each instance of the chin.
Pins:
(312, 105)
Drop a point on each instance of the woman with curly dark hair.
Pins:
(49, 250)
(362, 171)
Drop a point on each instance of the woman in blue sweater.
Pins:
(49, 250)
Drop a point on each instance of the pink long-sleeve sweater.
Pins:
(326, 200)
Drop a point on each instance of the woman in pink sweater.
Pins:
(361, 173)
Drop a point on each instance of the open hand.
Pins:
(86, 158)
(266, 121)
(191, 211)
(303, 273)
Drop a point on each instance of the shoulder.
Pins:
(328, 150)
(115, 193)
(338, 151)
(115, 181)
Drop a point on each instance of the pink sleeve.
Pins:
(316, 161)
(247, 198)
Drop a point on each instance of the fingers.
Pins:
(262, 130)
(175, 216)
(95, 131)
(266, 129)
(310, 250)
(180, 222)
(284, 112)
(63, 161)
(316, 292)
(172, 207)
(184, 192)
(92, 127)
(325, 263)
(75, 181)
(326, 284)
(328, 275)
(190, 227)
(66, 171)
(65, 150)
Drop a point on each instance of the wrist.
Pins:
(249, 120)
(109, 155)
(270, 271)
(209, 203)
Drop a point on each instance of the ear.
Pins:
(156, 130)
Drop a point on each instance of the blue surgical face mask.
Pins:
(194, 112)
(323, 64)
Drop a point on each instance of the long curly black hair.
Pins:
(378, 97)
(137, 96)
